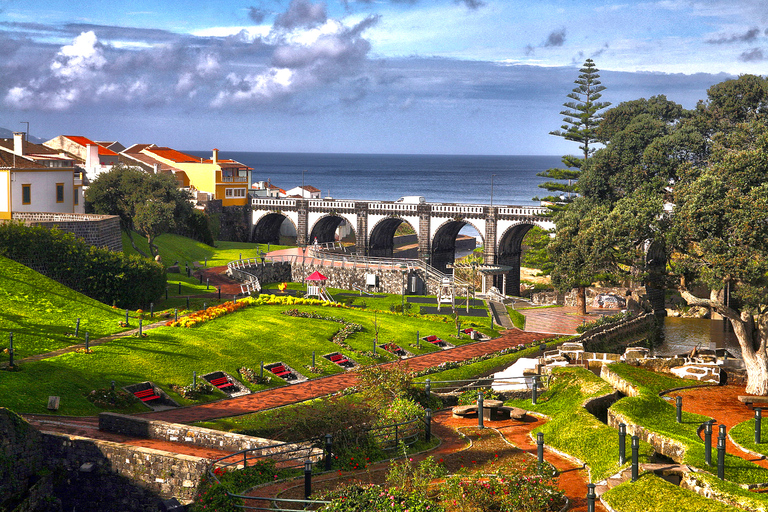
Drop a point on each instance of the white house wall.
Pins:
(5, 193)
(43, 191)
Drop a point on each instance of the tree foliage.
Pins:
(150, 204)
(694, 183)
(582, 118)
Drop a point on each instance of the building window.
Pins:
(76, 196)
(234, 192)
(59, 192)
(26, 194)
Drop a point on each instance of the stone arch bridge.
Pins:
(437, 225)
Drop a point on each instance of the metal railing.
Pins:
(304, 453)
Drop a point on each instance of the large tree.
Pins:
(721, 238)
(582, 117)
(148, 204)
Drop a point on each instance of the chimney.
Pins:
(18, 143)
(215, 156)
(156, 169)
(91, 156)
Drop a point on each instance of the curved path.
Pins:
(722, 404)
(455, 451)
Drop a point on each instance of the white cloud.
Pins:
(80, 59)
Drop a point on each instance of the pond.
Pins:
(683, 334)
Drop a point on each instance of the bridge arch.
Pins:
(443, 243)
(508, 252)
(381, 241)
(266, 229)
(324, 228)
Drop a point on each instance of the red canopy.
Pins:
(316, 276)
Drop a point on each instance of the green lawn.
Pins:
(169, 355)
(574, 430)
(175, 248)
(658, 415)
(653, 493)
(42, 313)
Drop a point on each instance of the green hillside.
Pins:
(42, 313)
(175, 248)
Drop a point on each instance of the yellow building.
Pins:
(223, 179)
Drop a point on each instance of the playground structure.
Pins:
(316, 287)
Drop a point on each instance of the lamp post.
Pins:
(492, 176)
(403, 271)
(302, 183)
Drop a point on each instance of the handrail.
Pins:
(308, 450)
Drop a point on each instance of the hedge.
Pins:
(109, 277)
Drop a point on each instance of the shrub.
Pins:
(604, 320)
(109, 277)
(375, 498)
(193, 391)
(509, 489)
(109, 398)
(469, 397)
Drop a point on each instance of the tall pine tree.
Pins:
(582, 118)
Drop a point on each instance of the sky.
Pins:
(356, 76)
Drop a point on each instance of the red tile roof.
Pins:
(172, 154)
(84, 141)
(8, 161)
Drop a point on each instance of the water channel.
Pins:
(683, 334)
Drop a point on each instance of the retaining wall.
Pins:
(633, 328)
(96, 230)
(162, 473)
(266, 272)
(176, 432)
(390, 280)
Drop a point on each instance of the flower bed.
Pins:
(213, 312)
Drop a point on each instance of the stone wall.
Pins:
(175, 432)
(634, 328)
(279, 272)
(390, 281)
(162, 473)
(23, 454)
(96, 230)
(235, 223)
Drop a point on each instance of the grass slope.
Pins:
(653, 493)
(175, 248)
(41, 312)
(169, 355)
(574, 430)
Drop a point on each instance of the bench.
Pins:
(430, 339)
(145, 395)
(753, 400)
(468, 330)
(222, 383)
(281, 371)
(339, 359)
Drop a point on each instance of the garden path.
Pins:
(455, 451)
(722, 404)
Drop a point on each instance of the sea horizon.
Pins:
(468, 179)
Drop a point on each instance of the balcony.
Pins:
(233, 179)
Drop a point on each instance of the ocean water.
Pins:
(439, 178)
